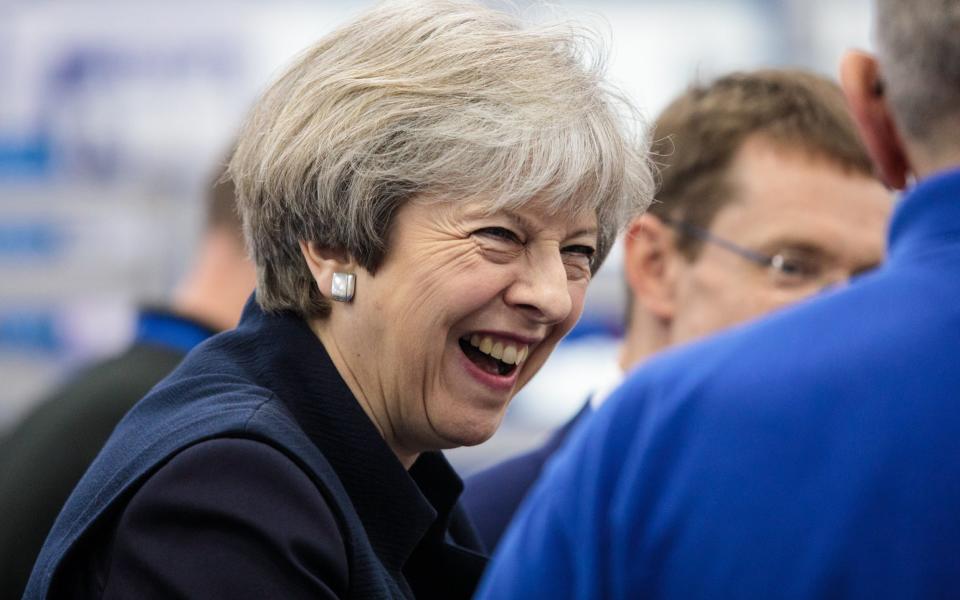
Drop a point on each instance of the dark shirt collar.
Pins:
(398, 509)
(927, 218)
(164, 328)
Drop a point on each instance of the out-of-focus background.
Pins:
(113, 114)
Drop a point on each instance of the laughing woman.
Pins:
(426, 194)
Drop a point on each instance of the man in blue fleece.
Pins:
(813, 454)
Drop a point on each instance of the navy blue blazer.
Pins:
(492, 496)
(252, 472)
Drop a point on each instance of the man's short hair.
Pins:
(919, 49)
(698, 135)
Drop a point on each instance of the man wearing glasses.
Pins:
(767, 197)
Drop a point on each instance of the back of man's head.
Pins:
(221, 276)
(697, 136)
(221, 199)
(919, 51)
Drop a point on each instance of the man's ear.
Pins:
(323, 262)
(863, 88)
(648, 257)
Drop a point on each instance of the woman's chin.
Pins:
(475, 436)
(469, 429)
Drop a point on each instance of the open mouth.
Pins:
(493, 356)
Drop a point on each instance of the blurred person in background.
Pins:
(43, 457)
(767, 196)
(426, 193)
(813, 454)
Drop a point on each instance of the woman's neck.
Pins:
(373, 408)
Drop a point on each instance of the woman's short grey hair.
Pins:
(919, 48)
(440, 99)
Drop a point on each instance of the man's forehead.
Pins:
(784, 192)
(776, 177)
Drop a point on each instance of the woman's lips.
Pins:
(489, 374)
(501, 383)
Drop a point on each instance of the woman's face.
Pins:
(464, 310)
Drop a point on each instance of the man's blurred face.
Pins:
(825, 223)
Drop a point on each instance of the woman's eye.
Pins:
(579, 261)
(582, 256)
(499, 233)
(586, 251)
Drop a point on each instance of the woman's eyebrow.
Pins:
(585, 231)
(528, 225)
(519, 220)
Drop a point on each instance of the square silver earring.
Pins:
(342, 286)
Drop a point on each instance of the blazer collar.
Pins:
(398, 508)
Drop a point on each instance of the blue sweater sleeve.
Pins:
(557, 547)
(227, 518)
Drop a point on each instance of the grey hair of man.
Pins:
(441, 100)
(919, 52)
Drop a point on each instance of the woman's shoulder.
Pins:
(230, 515)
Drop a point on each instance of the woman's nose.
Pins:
(541, 289)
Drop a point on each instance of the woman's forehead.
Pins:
(533, 215)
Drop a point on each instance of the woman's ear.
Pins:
(648, 255)
(864, 90)
(327, 266)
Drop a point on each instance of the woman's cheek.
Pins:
(578, 292)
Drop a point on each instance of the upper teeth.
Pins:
(504, 351)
